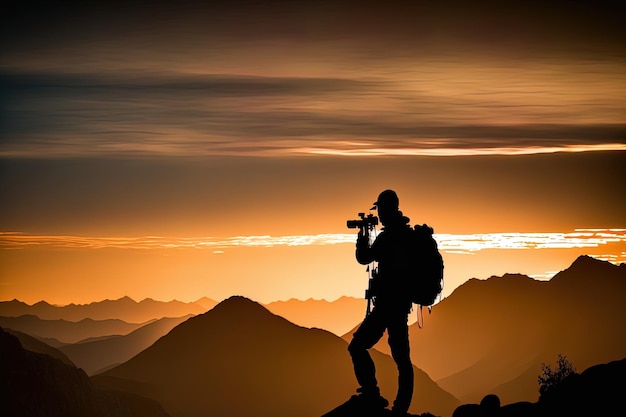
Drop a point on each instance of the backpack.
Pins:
(425, 283)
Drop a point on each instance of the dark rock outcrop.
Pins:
(598, 391)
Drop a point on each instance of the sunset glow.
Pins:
(188, 150)
(459, 244)
(533, 150)
(183, 185)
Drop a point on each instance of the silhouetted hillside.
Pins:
(125, 309)
(241, 360)
(35, 345)
(68, 331)
(491, 336)
(97, 355)
(35, 384)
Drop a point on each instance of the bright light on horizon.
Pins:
(497, 151)
(451, 243)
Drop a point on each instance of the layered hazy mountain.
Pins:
(493, 335)
(97, 355)
(336, 316)
(35, 381)
(59, 332)
(488, 336)
(95, 345)
(239, 359)
(35, 345)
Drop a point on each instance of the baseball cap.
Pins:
(387, 199)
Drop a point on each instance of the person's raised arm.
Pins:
(364, 253)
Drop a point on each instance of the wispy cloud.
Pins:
(451, 243)
(580, 238)
(16, 240)
(431, 113)
(476, 151)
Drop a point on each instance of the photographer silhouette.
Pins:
(391, 306)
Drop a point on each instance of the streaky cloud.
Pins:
(175, 114)
(501, 151)
(450, 243)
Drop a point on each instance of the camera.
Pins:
(366, 221)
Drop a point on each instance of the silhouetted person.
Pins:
(391, 306)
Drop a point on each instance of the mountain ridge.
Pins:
(35, 384)
(523, 313)
(336, 316)
(124, 308)
(480, 336)
(66, 331)
(477, 338)
(241, 359)
(94, 355)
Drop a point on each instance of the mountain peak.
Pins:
(235, 307)
(585, 260)
(14, 302)
(126, 299)
(42, 303)
(250, 360)
(238, 302)
(586, 270)
(586, 263)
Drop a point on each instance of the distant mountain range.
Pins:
(337, 316)
(125, 309)
(239, 359)
(95, 345)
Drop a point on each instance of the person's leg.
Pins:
(366, 336)
(399, 343)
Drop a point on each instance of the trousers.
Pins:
(394, 320)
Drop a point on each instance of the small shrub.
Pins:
(550, 378)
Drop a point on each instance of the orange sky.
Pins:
(187, 121)
(64, 271)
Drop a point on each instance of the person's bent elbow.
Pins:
(363, 257)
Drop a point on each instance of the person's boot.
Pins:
(369, 399)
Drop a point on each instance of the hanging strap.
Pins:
(420, 310)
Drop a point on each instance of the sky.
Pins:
(176, 150)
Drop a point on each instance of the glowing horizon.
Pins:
(298, 149)
(141, 159)
(444, 152)
(463, 244)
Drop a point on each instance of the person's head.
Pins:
(387, 205)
